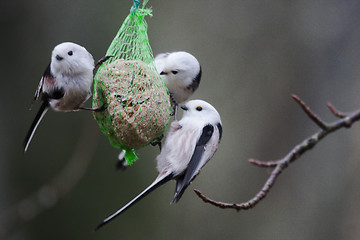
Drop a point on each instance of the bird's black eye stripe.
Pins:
(70, 53)
(174, 72)
(199, 108)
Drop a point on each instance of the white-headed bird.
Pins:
(66, 83)
(189, 145)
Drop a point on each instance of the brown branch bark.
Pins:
(346, 121)
(336, 112)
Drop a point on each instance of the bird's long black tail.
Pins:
(40, 114)
(157, 183)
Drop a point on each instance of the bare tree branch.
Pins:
(310, 113)
(335, 111)
(346, 120)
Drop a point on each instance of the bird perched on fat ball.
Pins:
(190, 144)
(181, 73)
(66, 83)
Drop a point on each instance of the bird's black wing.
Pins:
(55, 93)
(39, 90)
(219, 126)
(196, 81)
(192, 169)
(47, 74)
(44, 106)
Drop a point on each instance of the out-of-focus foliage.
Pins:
(254, 54)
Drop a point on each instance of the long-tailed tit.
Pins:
(181, 72)
(189, 145)
(66, 83)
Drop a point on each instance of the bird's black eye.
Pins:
(174, 72)
(199, 108)
(70, 53)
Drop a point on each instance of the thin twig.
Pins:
(310, 113)
(335, 111)
(263, 164)
(345, 121)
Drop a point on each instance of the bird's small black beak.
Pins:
(183, 107)
(163, 73)
(59, 58)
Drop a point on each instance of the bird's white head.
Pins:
(199, 109)
(71, 59)
(180, 66)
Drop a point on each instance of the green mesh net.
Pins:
(136, 99)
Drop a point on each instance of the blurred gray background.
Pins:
(254, 54)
